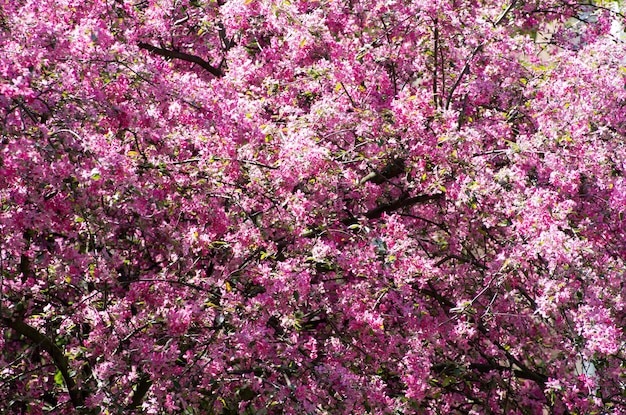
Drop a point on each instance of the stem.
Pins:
(348, 94)
(435, 65)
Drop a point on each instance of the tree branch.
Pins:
(140, 392)
(464, 71)
(394, 168)
(525, 373)
(436, 98)
(172, 54)
(400, 203)
(466, 66)
(58, 357)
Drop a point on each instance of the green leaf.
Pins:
(58, 378)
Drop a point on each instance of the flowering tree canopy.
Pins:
(303, 207)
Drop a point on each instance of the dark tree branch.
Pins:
(525, 373)
(444, 302)
(58, 357)
(172, 54)
(465, 70)
(436, 98)
(400, 203)
(392, 169)
(466, 66)
(140, 392)
(463, 259)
